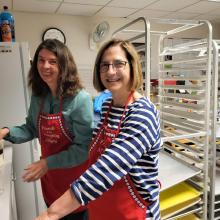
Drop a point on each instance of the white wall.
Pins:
(30, 27)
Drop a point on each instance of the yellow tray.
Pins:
(179, 208)
(177, 195)
(188, 217)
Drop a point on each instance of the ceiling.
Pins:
(173, 9)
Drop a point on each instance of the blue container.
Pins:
(7, 26)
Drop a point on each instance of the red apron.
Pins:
(54, 138)
(122, 201)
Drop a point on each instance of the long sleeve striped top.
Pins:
(134, 151)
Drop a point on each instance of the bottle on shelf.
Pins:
(7, 25)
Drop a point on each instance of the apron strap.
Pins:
(126, 105)
(125, 108)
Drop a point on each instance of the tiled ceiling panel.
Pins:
(208, 17)
(171, 5)
(78, 9)
(181, 15)
(88, 2)
(174, 9)
(36, 6)
(115, 12)
(131, 3)
(202, 7)
(215, 12)
(149, 14)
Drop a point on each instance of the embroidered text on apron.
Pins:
(54, 137)
(122, 201)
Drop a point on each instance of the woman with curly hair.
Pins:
(60, 116)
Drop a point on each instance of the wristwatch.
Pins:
(54, 33)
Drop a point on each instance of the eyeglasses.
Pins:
(116, 65)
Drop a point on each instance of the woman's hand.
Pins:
(3, 132)
(35, 171)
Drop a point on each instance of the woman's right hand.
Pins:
(3, 132)
(35, 170)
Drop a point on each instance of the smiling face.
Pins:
(117, 76)
(48, 69)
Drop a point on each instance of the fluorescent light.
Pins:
(214, 1)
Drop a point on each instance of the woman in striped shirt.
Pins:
(121, 182)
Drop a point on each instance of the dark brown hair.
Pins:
(132, 57)
(68, 80)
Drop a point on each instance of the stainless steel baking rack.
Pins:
(184, 66)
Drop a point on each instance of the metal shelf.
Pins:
(214, 197)
(171, 165)
(184, 115)
(217, 184)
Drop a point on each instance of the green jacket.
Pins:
(78, 115)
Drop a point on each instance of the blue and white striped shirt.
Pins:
(134, 151)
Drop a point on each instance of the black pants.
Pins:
(76, 216)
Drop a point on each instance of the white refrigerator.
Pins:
(14, 102)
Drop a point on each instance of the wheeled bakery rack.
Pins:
(184, 106)
(141, 39)
(214, 196)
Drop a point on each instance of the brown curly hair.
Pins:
(68, 81)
